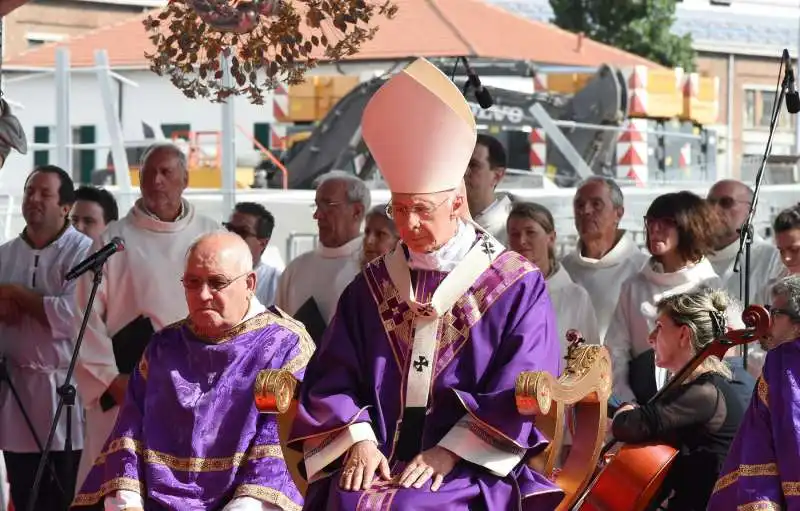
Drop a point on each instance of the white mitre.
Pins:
(420, 130)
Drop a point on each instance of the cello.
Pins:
(629, 478)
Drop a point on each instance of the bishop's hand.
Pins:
(362, 460)
(434, 463)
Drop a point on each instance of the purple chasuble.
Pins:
(762, 470)
(504, 324)
(188, 435)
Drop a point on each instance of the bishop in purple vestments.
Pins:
(188, 435)
(762, 470)
(409, 403)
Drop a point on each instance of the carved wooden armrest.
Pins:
(274, 390)
(585, 386)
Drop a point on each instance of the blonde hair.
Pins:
(704, 312)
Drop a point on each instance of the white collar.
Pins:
(500, 207)
(621, 252)
(253, 310)
(729, 252)
(446, 257)
(340, 252)
(654, 272)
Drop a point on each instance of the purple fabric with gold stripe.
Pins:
(188, 435)
(502, 325)
(762, 470)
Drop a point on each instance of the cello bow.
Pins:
(630, 479)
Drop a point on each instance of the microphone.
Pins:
(97, 259)
(792, 96)
(481, 93)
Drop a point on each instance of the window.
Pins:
(39, 38)
(261, 133)
(41, 135)
(758, 105)
(179, 130)
(83, 160)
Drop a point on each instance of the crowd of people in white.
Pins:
(607, 288)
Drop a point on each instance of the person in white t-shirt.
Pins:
(681, 231)
(532, 234)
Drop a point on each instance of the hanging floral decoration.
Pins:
(267, 41)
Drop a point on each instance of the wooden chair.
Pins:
(585, 386)
(275, 393)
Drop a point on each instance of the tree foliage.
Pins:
(642, 27)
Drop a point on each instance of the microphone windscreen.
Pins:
(793, 102)
(484, 98)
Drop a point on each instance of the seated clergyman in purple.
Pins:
(188, 435)
(408, 403)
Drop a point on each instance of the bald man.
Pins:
(732, 201)
(188, 435)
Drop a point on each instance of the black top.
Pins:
(700, 419)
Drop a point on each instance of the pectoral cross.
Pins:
(488, 248)
(420, 363)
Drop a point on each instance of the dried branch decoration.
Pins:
(268, 41)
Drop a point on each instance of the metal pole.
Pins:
(63, 124)
(730, 142)
(228, 140)
(115, 133)
(797, 117)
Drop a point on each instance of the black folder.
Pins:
(310, 316)
(130, 342)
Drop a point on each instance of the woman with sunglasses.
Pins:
(680, 231)
(699, 417)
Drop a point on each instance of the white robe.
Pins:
(765, 265)
(143, 280)
(266, 283)
(603, 278)
(634, 319)
(37, 356)
(322, 273)
(573, 309)
(493, 219)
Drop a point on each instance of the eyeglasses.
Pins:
(659, 222)
(215, 283)
(423, 212)
(726, 202)
(773, 311)
(235, 229)
(326, 206)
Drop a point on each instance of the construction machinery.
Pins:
(635, 125)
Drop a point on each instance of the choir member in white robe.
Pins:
(37, 318)
(93, 210)
(138, 293)
(313, 281)
(486, 169)
(605, 256)
(680, 233)
(255, 224)
(732, 201)
(531, 233)
(380, 234)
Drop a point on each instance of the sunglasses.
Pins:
(241, 231)
(726, 202)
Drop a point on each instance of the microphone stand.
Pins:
(746, 232)
(66, 397)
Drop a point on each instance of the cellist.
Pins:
(700, 417)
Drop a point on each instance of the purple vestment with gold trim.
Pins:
(502, 325)
(189, 435)
(762, 470)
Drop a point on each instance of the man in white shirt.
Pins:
(37, 318)
(606, 256)
(486, 169)
(140, 292)
(255, 224)
(311, 284)
(732, 200)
